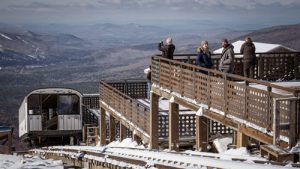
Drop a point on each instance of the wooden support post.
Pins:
(9, 142)
(154, 121)
(122, 131)
(112, 128)
(96, 134)
(260, 67)
(292, 133)
(241, 139)
(102, 123)
(202, 129)
(173, 126)
(296, 65)
(225, 108)
(276, 123)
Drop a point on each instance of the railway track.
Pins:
(117, 157)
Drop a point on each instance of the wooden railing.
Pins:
(269, 66)
(243, 98)
(91, 101)
(131, 109)
(112, 94)
(134, 88)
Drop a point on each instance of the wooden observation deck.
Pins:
(256, 108)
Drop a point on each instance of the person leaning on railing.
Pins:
(167, 49)
(204, 56)
(226, 63)
(249, 58)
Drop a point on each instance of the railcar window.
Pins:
(68, 104)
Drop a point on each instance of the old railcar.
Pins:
(51, 116)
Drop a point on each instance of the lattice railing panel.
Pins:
(217, 93)
(236, 99)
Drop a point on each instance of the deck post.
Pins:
(112, 128)
(173, 126)
(154, 121)
(102, 124)
(202, 129)
(122, 131)
(241, 139)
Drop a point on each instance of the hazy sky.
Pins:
(268, 12)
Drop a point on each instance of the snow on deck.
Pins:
(164, 106)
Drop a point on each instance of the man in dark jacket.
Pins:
(226, 63)
(249, 59)
(168, 49)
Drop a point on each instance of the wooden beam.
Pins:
(112, 128)
(264, 138)
(173, 126)
(102, 123)
(154, 121)
(202, 130)
(122, 131)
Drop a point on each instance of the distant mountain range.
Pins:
(31, 48)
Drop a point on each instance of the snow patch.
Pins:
(172, 100)
(6, 37)
(238, 152)
(221, 143)
(200, 111)
(16, 162)
(128, 142)
(32, 56)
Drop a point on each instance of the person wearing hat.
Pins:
(226, 63)
(167, 49)
(249, 58)
(204, 55)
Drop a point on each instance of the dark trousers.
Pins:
(249, 69)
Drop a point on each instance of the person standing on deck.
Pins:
(204, 55)
(226, 63)
(167, 49)
(249, 58)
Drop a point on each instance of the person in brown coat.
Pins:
(167, 49)
(226, 63)
(249, 59)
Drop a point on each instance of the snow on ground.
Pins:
(221, 143)
(128, 142)
(18, 162)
